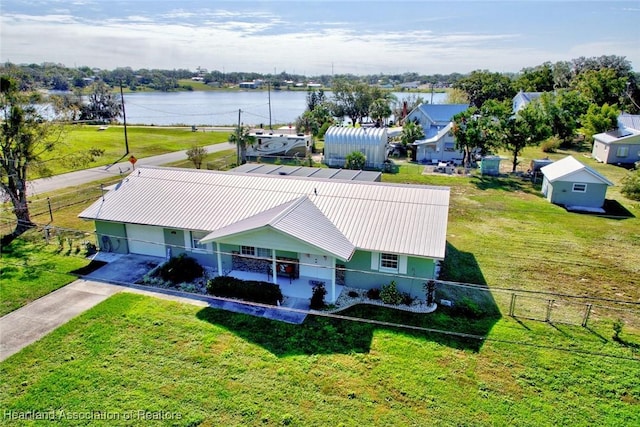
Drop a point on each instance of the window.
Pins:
(248, 250)
(579, 188)
(622, 152)
(388, 262)
(196, 236)
(264, 252)
(253, 251)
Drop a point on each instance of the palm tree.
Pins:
(411, 132)
(241, 138)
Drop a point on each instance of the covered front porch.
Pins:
(300, 287)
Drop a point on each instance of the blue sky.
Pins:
(317, 37)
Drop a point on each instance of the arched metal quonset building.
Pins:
(339, 142)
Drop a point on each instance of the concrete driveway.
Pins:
(28, 324)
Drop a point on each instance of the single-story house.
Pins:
(523, 98)
(620, 146)
(574, 185)
(354, 233)
(438, 144)
(340, 141)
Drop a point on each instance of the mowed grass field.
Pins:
(135, 357)
(209, 367)
(144, 141)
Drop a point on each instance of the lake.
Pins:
(219, 108)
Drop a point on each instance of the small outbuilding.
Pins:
(574, 185)
(490, 165)
(339, 142)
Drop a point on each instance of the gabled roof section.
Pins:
(294, 218)
(564, 169)
(439, 113)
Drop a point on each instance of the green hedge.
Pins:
(247, 290)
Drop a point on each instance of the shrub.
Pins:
(631, 185)
(390, 294)
(249, 290)
(373, 293)
(317, 298)
(468, 308)
(551, 145)
(180, 269)
(353, 294)
(617, 329)
(407, 299)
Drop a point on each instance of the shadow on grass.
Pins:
(464, 325)
(614, 209)
(89, 268)
(352, 330)
(504, 183)
(459, 266)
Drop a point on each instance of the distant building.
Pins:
(619, 146)
(339, 142)
(523, 98)
(439, 143)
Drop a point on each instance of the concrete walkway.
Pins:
(28, 324)
(58, 182)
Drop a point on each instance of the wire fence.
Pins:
(540, 306)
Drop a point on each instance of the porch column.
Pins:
(274, 265)
(333, 279)
(219, 258)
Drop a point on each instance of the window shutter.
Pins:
(402, 264)
(374, 261)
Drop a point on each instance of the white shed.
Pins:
(339, 142)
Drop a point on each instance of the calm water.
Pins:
(221, 108)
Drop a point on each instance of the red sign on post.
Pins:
(133, 161)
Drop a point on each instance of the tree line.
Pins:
(585, 94)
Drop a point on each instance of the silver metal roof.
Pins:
(294, 219)
(381, 217)
(570, 166)
(305, 171)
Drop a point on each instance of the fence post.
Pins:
(50, 211)
(548, 317)
(587, 312)
(512, 306)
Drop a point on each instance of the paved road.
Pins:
(57, 182)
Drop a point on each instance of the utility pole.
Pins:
(124, 117)
(269, 92)
(238, 132)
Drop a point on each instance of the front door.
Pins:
(316, 266)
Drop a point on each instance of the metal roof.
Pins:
(292, 218)
(382, 217)
(567, 167)
(629, 121)
(442, 112)
(305, 171)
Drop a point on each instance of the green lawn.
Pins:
(30, 269)
(208, 367)
(144, 141)
(134, 353)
